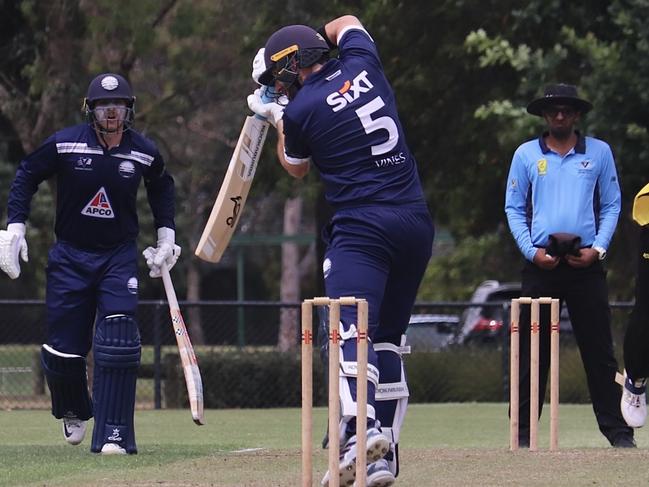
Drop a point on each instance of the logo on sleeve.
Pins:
(99, 206)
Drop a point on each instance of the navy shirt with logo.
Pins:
(345, 120)
(96, 188)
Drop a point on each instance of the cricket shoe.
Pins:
(112, 449)
(377, 446)
(379, 474)
(74, 429)
(634, 401)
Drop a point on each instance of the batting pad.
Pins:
(117, 352)
(68, 382)
(392, 395)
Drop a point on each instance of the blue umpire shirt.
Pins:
(345, 119)
(578, 193)
(96, 187)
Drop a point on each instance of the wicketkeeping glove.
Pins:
(12, 244)
(166, 251)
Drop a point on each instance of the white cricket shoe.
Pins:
(634, 401)
(74, 429)
(377, 446)
(112, 449)
(379, 474)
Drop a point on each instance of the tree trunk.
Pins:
(290, 281)
(193, 273)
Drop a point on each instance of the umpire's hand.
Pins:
(586, 257)
(544, 260)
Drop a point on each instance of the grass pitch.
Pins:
(442, 445)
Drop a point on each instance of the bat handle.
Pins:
(168, 285)
(268, 95)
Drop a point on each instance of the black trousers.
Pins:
(585, 293)
(636, 339)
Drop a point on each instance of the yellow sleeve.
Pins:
(641, 206)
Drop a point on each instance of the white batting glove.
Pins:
(271, 111)
(12, 244)
(166, 251)
(258, 65)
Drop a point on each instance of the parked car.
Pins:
(484, 324)
(430, 332)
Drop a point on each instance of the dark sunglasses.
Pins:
(566, 111)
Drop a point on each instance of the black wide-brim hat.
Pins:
(560, 94)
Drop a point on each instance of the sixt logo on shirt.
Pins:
(99, 206)
(350, 91)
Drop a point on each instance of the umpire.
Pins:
(562, 203)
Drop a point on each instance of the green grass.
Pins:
(442, 445)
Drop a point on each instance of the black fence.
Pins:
(455, 345)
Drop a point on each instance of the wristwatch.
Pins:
(601, 251)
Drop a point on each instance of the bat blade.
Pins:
(190, 367)
(232, 196)
(186, 349)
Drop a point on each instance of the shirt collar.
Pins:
(580, 146)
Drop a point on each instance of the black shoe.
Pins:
(624, 441)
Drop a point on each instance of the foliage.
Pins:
(445, 376)
(454, 276)
(462, 72)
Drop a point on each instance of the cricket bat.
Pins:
(234, 191)
(186, 350)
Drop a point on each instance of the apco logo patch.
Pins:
(99, 206)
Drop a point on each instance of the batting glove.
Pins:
(13, 244)
(166, 251)
(272, 111)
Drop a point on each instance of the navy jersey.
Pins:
(96, 187)
(345, 120)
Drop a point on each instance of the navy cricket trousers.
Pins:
(84, 286)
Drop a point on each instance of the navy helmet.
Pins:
(109, 86)
(288, 49)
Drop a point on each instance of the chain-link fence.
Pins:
(241, 363)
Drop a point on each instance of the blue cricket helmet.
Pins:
(109, 86)
(298, 42)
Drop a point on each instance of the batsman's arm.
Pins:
(332, 30)
(296, 170)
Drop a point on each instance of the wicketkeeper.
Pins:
(341, 116)
(636, 340)
(92, 266)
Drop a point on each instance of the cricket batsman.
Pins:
(341, 117)
(92, 284)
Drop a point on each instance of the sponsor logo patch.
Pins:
(83, 164)
(350, 91)
(542, 167)
(126, 169)
(326, 267)
(132, 285)
(109, 83)
(99, 206)
(115, 436)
